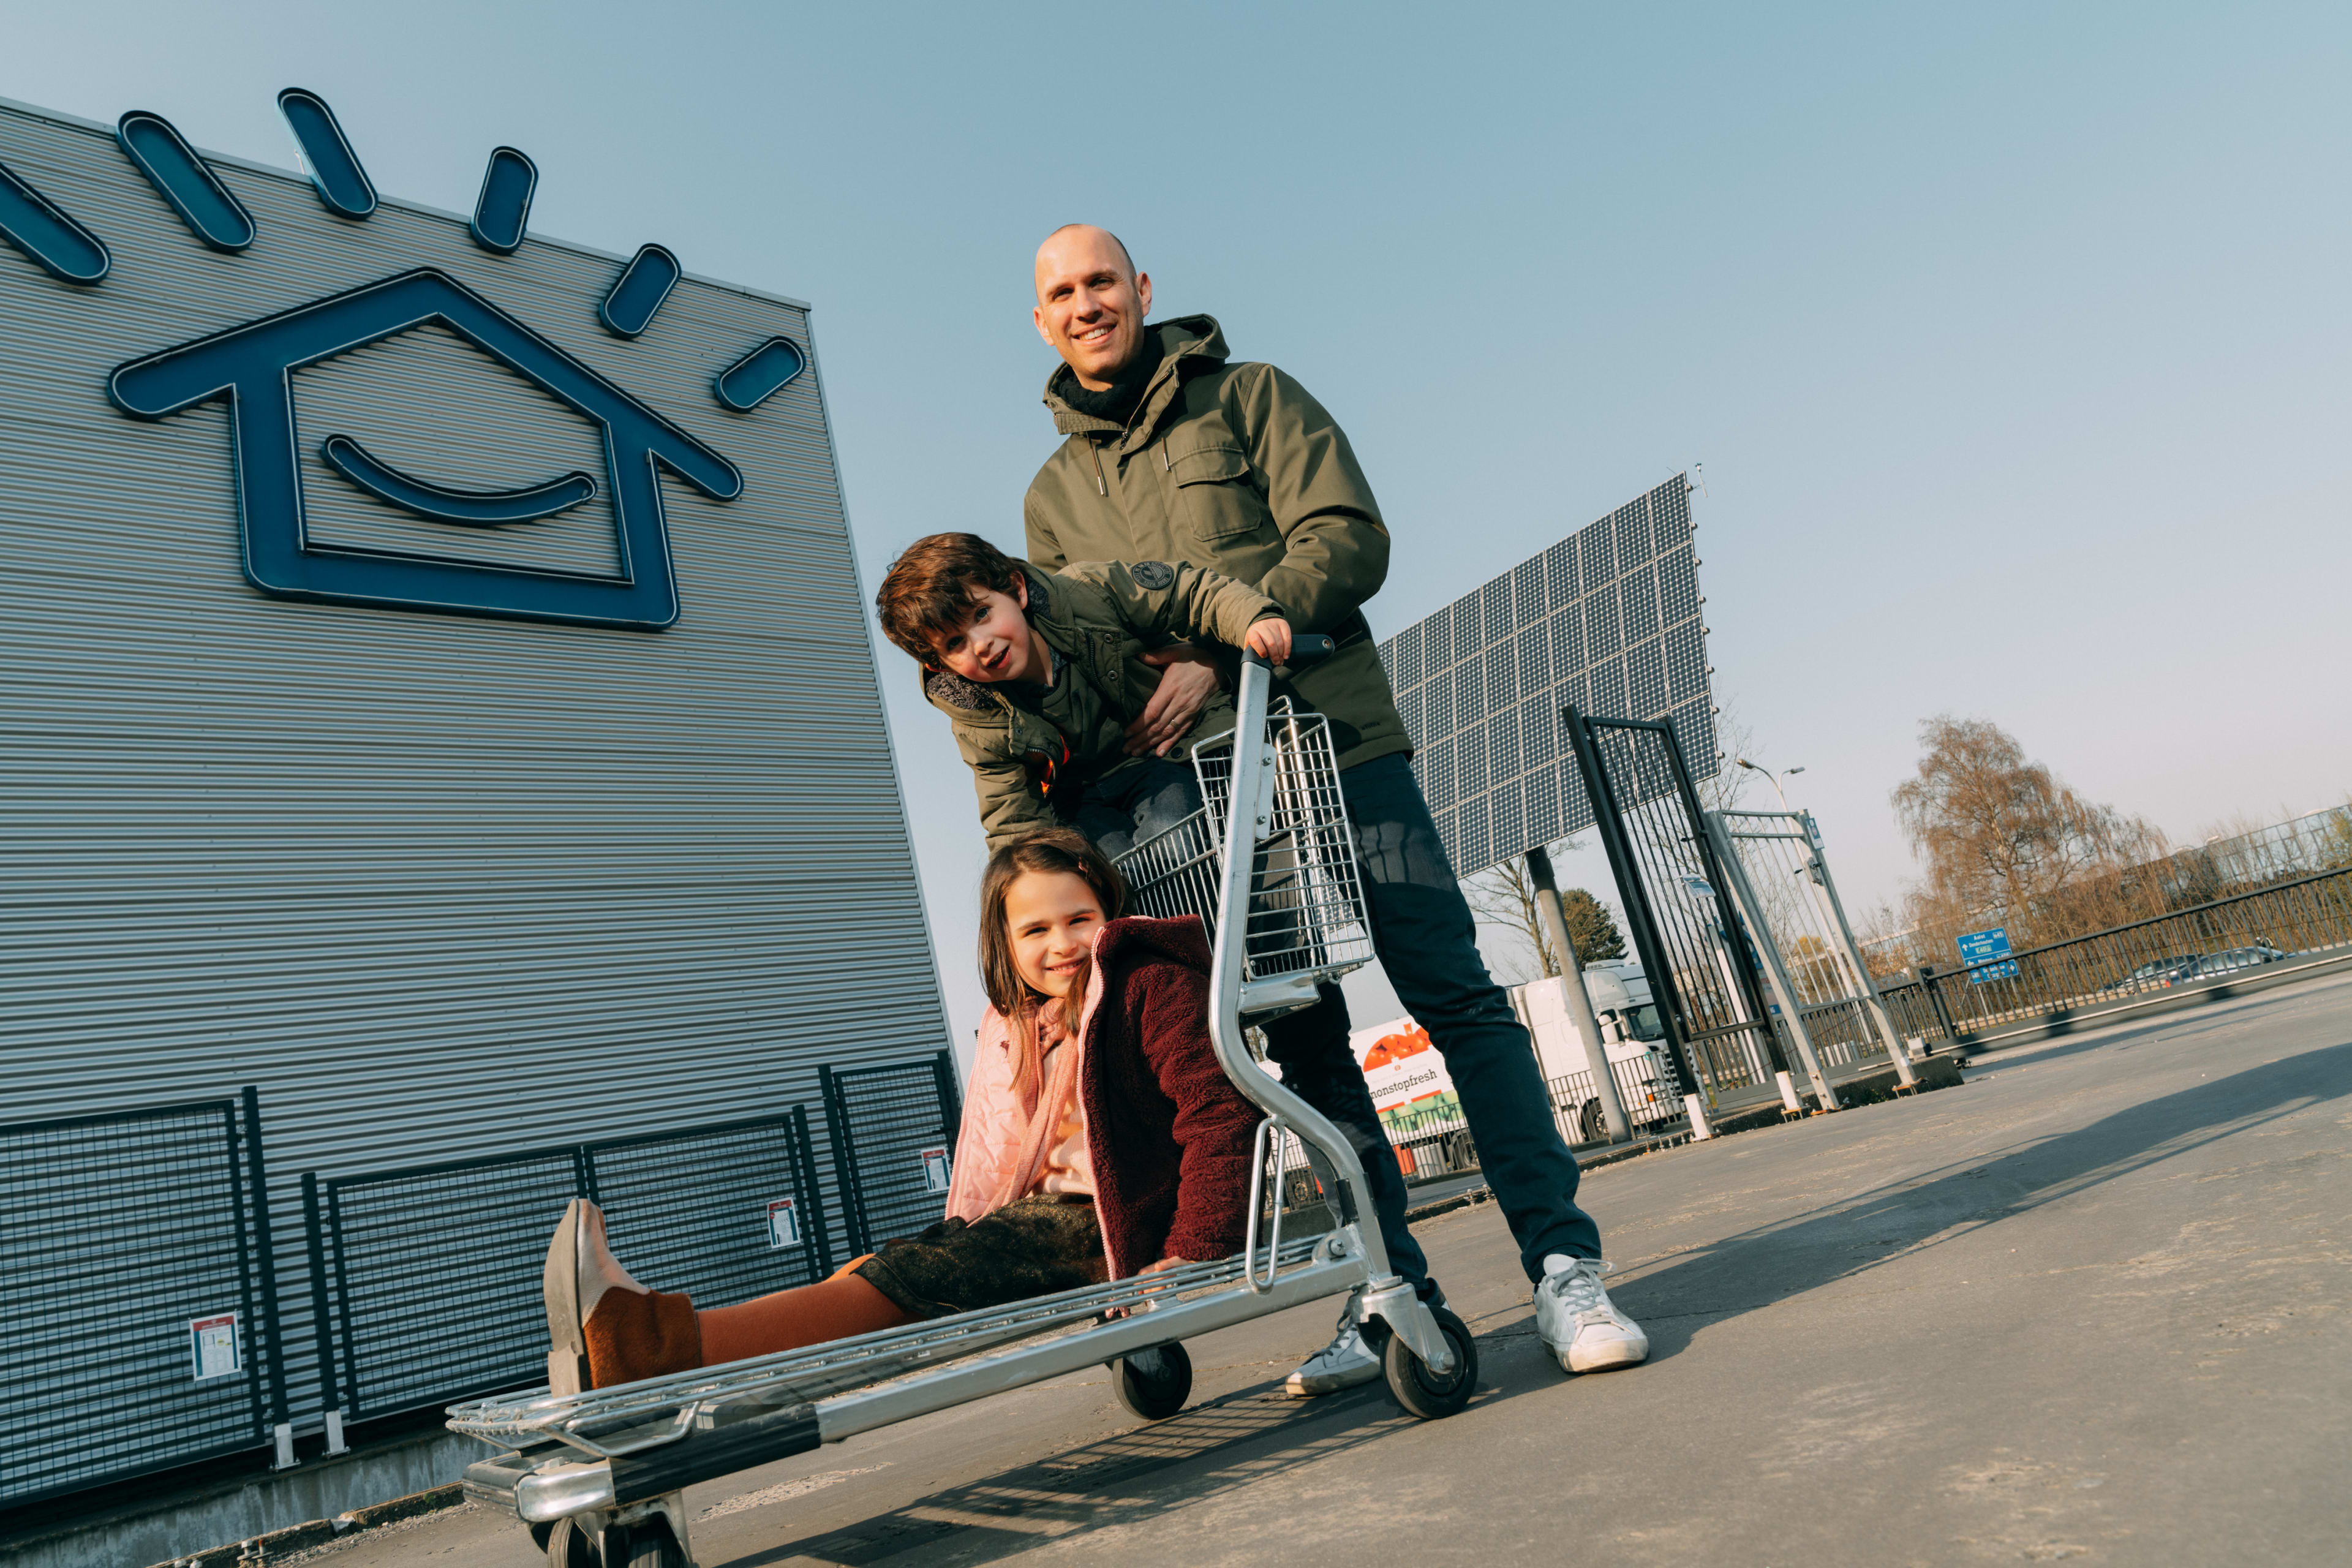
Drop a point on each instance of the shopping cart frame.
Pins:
(600, 1476)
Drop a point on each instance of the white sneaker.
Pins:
(1346, 1361)
(1578, 1322)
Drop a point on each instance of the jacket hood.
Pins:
(1181, 338)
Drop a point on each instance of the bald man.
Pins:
(1171, 452)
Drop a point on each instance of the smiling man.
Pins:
(1173, 452)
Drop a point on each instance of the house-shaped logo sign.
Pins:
(253, 366)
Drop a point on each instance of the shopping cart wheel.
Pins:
(649, 1545)
(569, 1546)
(1154, 1383)
(1421, 1390)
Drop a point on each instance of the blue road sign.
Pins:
(1978, 946)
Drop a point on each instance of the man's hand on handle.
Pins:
(1187, 681)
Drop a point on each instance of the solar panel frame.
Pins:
(1606, 620)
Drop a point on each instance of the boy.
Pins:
(1041, 675)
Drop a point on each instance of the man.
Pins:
(1173, 453)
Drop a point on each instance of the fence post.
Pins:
(950, 1103)
(817, 1229)
(1554, 919)
(1769, 949)
(1935, 1003)
(265, 1255)
(314, 1233)
(844, 1162)
(1825, 890)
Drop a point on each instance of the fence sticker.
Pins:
(213, 1349)
(784, 1223)
(935, 1170)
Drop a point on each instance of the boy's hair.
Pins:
(1049, 849)
(926, 596)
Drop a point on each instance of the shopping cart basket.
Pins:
(1269, 863)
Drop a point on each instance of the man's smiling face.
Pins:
(1091, 302)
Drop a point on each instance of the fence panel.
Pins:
(140, 1333)
(700, 1212)
(2209, 944)
(434, 1273)
(1696, 958)
(893, 1133)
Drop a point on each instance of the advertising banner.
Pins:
(1411, 1088)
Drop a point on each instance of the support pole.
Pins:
(1752, 909)
(1554, 918)
(1825, 891)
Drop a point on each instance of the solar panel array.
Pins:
(1607, 621)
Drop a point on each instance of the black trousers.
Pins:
(1427, 943)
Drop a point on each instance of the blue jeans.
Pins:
(1427, 943)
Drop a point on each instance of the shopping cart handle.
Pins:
(1305, 647)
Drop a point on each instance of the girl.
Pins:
(1100, 1139)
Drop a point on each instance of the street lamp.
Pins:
(1785, 772)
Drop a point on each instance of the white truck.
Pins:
(1632, 1038)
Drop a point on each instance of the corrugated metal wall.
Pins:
(437, 884)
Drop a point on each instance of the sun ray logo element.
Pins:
(252, 366)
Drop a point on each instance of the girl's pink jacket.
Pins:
(1167, 1132)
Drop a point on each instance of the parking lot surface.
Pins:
(2087, 1307)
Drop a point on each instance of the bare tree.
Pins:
(1734, 737)
(2002, 838)
(1504, 896)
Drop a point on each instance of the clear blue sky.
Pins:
(2013, 338)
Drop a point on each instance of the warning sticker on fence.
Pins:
(935, 1170)
(784, 1223)
(213, 1347)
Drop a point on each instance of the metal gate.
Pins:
(426, 1280)
(1782, 878)
(1692, 946)
(141, 1321)
(894, 1135)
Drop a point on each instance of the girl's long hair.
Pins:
(1050, 850)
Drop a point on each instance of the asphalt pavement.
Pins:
(2089, 1306)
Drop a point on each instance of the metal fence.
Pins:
(2207, 944)
(426, 1282)
(142, 1317)
(893, 1133)
(1645, 1088)
(1697, 958)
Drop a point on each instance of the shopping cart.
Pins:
(1269, 864)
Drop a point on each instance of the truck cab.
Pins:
(1633, 1040)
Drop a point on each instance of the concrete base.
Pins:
(177, 1524)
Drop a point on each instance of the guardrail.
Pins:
(2304, 918)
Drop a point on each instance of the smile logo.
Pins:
(253, 366)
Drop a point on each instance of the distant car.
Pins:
(2155, 974)
(2230, 960)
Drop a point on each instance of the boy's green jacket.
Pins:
(1100, 617)
(1236, 468)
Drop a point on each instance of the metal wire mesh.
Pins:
(434, 1269)
(1777, 851)
(893, 1132)
(1306, 909)
(122, 1232)
(1718, 1011)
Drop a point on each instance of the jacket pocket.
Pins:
(1215, 493)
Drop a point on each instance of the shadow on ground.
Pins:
(1125, 1479)
(1757, 1268)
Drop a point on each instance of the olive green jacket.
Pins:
(1099, 618)
(1237, 468)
